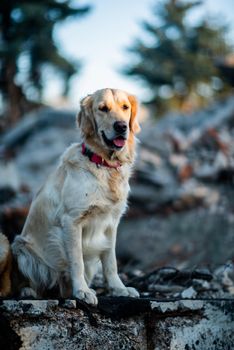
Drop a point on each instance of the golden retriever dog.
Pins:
(73, 220)
(5, 266)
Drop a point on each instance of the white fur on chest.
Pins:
(96, 235)
(97, 230)
(101, 222)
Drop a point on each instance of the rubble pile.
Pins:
(183, 160)
(200, 283)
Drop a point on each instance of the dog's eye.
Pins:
(125, 107)
(104, 109)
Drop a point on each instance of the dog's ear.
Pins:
(134, 125)
(85, 116)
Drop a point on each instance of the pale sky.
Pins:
(100, 38)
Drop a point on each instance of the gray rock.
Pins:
(117, 323)
(189, 293)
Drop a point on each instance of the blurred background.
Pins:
(177, 57)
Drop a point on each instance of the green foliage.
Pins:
(179, 64)
(26, 31)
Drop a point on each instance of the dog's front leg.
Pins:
(73, 243)
(110, 270)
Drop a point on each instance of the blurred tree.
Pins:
(179, 63)
(26, 39)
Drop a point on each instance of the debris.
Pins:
(189, 293)
(225, 275)
(169, 282)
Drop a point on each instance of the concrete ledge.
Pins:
(117, 323)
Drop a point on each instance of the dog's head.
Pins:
(107, 119)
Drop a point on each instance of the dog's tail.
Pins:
(5, 266)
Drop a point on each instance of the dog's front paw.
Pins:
(28, 292)
(87, 295)
(125, 292)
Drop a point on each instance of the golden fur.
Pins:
(73, 220)
(5, 266)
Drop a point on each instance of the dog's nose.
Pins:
(120, 127)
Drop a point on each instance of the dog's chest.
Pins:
(98, 227)
(99, 201)
(108, 189)
(101, 219)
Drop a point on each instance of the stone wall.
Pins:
(117, 323)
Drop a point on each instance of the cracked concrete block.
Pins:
(117, 323)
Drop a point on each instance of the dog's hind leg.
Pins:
(39, 275)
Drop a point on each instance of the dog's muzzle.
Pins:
(117, 142)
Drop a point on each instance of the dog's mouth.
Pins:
(118, 142)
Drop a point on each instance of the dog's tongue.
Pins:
(119, 142)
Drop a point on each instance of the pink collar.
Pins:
(98, 160)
